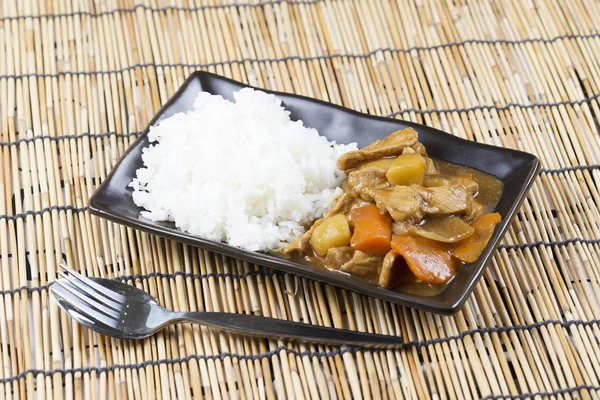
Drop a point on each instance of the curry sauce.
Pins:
(404, 220)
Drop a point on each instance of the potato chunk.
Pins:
(407, 169)
(332, 232)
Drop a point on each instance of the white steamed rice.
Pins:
(241, 172)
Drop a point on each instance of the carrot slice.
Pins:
(372, 230)
(469, 250)
(429, 260)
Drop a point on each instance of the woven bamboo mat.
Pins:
(79, 80)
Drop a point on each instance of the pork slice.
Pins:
(467, 181)
(444, 200)
(403, 203)
(366, 178)
(338, 256)
(363, 264)
(393, 145)
(386, 272)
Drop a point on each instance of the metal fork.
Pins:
(119, 310)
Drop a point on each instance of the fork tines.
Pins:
(87, 297)
(93, 286)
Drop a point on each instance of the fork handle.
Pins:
(272, 328)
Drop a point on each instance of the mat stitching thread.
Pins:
(273, 2)
(548, 244)
(136, 277)
(505, 107)
(68, 137)
(590, 167)
(42, 211)
(287, 58)
(195, 276)
(158, 9)
(297, 353)
(573, 389)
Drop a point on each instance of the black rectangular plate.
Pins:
(517, 170)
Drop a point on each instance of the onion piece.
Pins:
(442, 229)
